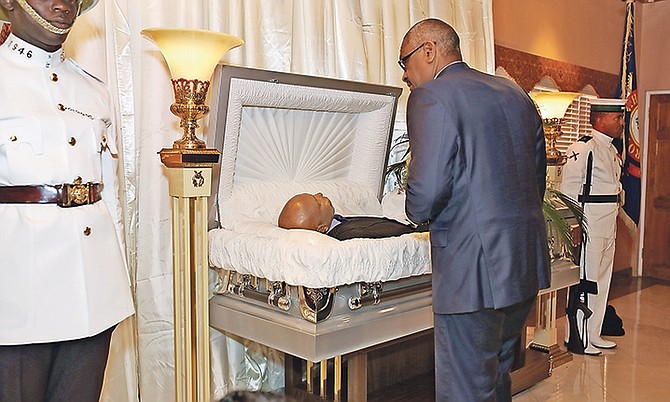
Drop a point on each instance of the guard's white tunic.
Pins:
(62, 270)
(605, 180)
(598, 259)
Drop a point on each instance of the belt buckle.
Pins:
(74, 194)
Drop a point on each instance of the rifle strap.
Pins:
(586, 191)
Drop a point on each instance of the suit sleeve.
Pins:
(433, 144)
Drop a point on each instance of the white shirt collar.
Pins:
(601, 137)
(443, 68)
(23, 52)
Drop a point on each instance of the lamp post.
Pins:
(191, 56)
(552, 107)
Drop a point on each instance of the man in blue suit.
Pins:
(477, 176)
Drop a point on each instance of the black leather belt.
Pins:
(600, 198)
(64, 195)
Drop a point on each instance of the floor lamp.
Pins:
(191, 56)
(552, 107)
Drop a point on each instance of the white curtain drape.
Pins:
(347, 39)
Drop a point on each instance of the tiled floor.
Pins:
(638, 369)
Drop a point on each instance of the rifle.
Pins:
(578, 339)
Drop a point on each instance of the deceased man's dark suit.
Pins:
(371, 227)
(477, 173)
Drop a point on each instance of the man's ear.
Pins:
(322, 228)
(429, 49)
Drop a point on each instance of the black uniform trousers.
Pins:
(69, 371)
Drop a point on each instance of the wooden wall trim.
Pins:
(527, 70)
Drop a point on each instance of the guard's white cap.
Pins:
(608, 105)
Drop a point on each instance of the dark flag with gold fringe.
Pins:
(630, 148)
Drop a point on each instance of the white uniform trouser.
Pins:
(599, 262)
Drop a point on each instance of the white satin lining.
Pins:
(288, 133)
(278, 144)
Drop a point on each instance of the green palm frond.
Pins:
(553, 207)
(399, 169)
(573, 206)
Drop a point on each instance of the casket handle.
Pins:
(371, 293)
(279, 296)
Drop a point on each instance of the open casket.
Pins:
(299, 291)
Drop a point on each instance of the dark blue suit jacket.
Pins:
(477, 173)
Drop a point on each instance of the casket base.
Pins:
(339, 335)
(368, 372)
(400, 370)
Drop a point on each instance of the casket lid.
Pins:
(300, 131)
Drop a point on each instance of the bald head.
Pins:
(438, 31)
(427, 47)
(307, 211)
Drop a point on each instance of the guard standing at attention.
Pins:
(591, 176)
(64, 283)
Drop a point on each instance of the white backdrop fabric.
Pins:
(348, 39)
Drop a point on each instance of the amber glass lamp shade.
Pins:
(191, 56)
(552, 107)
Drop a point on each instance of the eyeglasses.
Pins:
(403, 60)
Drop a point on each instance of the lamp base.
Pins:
(186, 158)
(189, 106)
(552, 131)
(556, 159)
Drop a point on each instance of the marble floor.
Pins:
(638, 369)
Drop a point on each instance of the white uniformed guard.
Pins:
(601, 200)
(63, 278)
